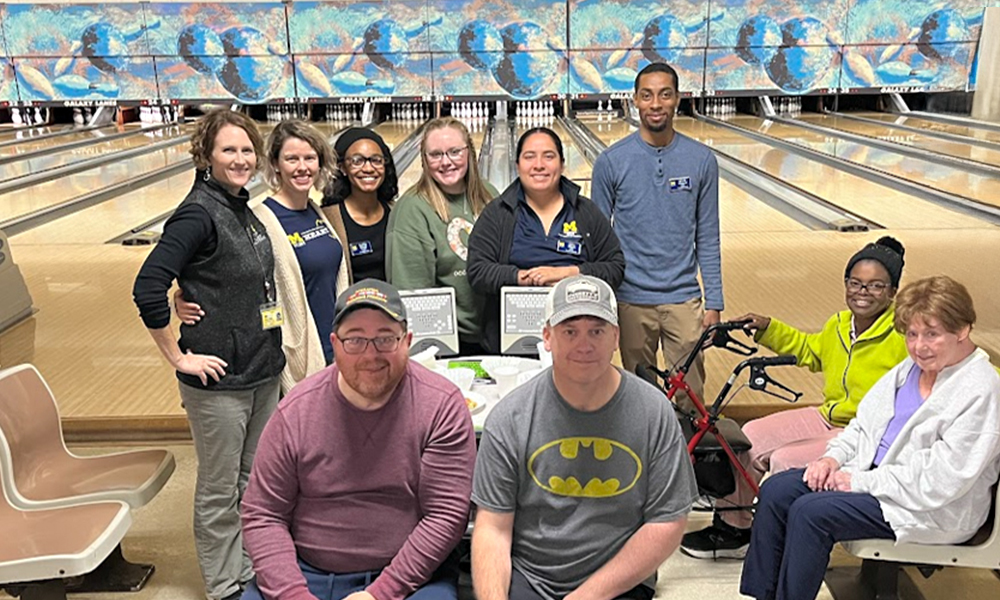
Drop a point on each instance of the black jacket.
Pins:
(489, 267)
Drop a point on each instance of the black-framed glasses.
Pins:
(383, 343)
(452, 153)
(875, 288)
(357, 160)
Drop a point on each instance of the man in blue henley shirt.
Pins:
(661, 190)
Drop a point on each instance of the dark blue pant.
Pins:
(794, 530)
(328, 586)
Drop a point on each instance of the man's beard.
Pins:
(370, 385)
(656, 128)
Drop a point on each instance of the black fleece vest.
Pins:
(229, 286)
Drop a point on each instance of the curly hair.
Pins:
(297, 129)
(207, 129)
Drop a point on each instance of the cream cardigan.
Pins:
(299, 336)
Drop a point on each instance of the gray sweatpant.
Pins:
(225, 426)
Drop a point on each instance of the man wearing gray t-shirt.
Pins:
(582, 483)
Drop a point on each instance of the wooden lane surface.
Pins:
(28, 144)
(10, 133)
(59, 158)
(109, 219)
(905, 137)
(956, 129)
(884, 205)
(91, 346)
(924, 172)
(738, 210)
(49, 193)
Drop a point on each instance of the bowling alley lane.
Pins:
(29, 144)
(11, 134)
(57, 158)
(394, 132)
(886, 206)
(924, 172)
(43, 195)
(952, 128)
(905, 137)
(112, 218)
(739, 212)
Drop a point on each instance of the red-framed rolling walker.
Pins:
(726, 434)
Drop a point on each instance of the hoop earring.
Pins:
(208, 173)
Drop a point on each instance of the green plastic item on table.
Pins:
(475, 365)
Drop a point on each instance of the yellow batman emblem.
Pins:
(585, 467)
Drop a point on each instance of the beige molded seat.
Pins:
(879, 574)
(39, 471)
(982, 551)
(55, 543)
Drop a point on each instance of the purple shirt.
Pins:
(908, 400)
(350, 490)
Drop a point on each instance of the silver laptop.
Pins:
(431, 316)
(522, 316)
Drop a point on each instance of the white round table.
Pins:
(488, 389)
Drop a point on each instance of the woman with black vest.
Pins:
(229, 362)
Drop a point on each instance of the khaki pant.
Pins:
(225, 427)
(674, 328)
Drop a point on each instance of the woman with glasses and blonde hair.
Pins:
(229, 362)
(854, 349)
(430, 225)
(360, 198)
(310, 259)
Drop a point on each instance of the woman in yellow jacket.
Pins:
(854, 349)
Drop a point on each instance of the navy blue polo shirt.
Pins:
(532, 247)
(319, 255)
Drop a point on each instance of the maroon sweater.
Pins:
(348, 490)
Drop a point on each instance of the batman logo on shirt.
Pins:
(585, 467)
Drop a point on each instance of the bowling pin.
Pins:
(15, 117)
(77, 116)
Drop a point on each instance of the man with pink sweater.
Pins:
(361, 482)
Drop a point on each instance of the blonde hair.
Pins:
(207, 129)
(475, 190)
(297, 129)
(939, 297)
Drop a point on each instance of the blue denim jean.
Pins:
(330, 586)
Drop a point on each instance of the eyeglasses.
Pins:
(875, 288)
(357, 161)
(451, 153)
(357, 345)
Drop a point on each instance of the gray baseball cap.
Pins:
(581, 296)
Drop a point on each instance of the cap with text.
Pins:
(370, 293)
(581, 296)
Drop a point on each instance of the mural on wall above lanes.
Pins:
(79, 51)
(511, 47)
(611, 40)
(365, 48)
(8, 83)
(788, 46)
(912, 44)
(221, 50)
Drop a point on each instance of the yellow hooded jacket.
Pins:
(849, 370)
